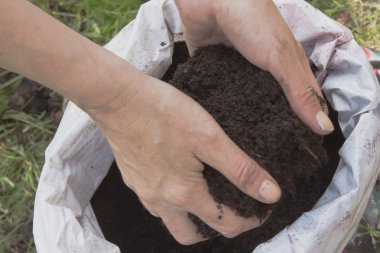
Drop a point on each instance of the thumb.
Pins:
(292, 70)
(221, 153)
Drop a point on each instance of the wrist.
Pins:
(187, 8)
(114, 88)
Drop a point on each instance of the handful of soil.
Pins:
(250, 106)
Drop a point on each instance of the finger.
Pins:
(221, 153)
(180, 226)
(189, 45)
(276, 50)
(301, 88)
(127, 177)
(220, 217)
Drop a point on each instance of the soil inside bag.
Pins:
(250, 107)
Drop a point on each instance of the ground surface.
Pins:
(27, 126)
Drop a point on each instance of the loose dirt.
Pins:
(251, 108)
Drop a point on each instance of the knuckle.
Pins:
(306, 97)
(208, 137)
(178, 195)
(246, 173)
(209, 134)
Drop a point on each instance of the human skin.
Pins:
(160, 137)
(256, 29)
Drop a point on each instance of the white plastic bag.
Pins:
(79, 157)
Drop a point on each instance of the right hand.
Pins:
(161, 138)
(257, 30)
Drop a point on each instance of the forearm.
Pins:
(39, 47)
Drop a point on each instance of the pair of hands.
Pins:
(161, 137)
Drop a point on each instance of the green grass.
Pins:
(368, 232)
(362, 17)
(23, 137)
(99, 20)
(23, 141)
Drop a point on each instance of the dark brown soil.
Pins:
(251, 108)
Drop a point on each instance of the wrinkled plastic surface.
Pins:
(79, 157)
(374, 58)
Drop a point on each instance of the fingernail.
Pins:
(270, 191)
(324, 122)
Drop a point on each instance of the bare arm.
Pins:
(36, 45)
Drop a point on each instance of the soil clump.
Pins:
(251, 108)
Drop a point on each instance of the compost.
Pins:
(250, 107)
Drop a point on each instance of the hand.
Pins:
(160, 138)
(256, 29)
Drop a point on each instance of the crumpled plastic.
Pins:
(78, 158)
